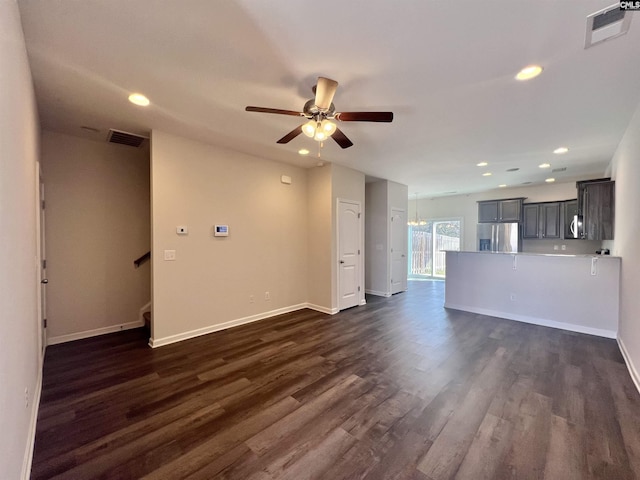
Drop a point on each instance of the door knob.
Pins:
(44, 280)
(341, 261)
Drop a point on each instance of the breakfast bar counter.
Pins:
(572, 292)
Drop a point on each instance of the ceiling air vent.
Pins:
(560, 169)
(125, 138)
(608, 23)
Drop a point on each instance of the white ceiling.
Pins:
(444, 68)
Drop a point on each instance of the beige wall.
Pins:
(626, 172)
(210, 283)
(97, 224)
(319, 231)
(381, 197)
(466, 207)
(376, 239)
(20, 367)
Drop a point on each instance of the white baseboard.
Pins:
(159, 342)
(377, 293)
(363, 301)
(94, 333)
(630, 366)
(535, 321)
(318, 308)
(31, 434)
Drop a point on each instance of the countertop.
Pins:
(534, 254)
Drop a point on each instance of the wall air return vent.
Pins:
(125, 138)
(608, 23)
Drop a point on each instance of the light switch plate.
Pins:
(169, 255)
(182, 230)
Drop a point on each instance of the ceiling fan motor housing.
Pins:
(311, 110)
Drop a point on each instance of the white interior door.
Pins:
(43, 270)
(398, 250)
(349, 258)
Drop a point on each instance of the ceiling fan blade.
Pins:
(274, 110)
(325, 90)
(365, 116)
(341, 139)
(291, 135)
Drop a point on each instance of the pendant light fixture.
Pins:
(417, 222)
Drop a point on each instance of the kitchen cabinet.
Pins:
(541, 220)
(530, 220)
(596, 205)
(507, 210)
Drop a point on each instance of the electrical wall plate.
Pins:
(182, 230)
(221, 230)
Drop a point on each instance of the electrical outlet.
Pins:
(563, 247)
(555, 247)
(170, 255)
(512, 297)
(251, 299)
(267, 296)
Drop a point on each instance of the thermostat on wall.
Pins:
(221, 231)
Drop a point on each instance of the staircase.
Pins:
(147, 322)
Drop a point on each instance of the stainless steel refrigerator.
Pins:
(499, 237)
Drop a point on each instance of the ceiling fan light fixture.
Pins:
(320, 113)
(328, 127)
(309, 128)
(320, 135)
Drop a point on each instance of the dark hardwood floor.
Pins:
(397, 389)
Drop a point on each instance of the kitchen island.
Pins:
(572, 292)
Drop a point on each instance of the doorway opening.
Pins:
(427, 246)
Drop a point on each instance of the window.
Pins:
(427, 244)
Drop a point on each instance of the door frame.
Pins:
(360, 264)
(41, 298)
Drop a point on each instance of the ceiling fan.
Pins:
(320, 112)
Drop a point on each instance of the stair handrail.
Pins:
(139, 261)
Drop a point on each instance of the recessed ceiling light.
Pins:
(303, 151)
(550, 180)
(139, 99)
(544, 165)
(560, 150)
(502, 185)
(486, 174)
(529, 72)
(482, 164)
